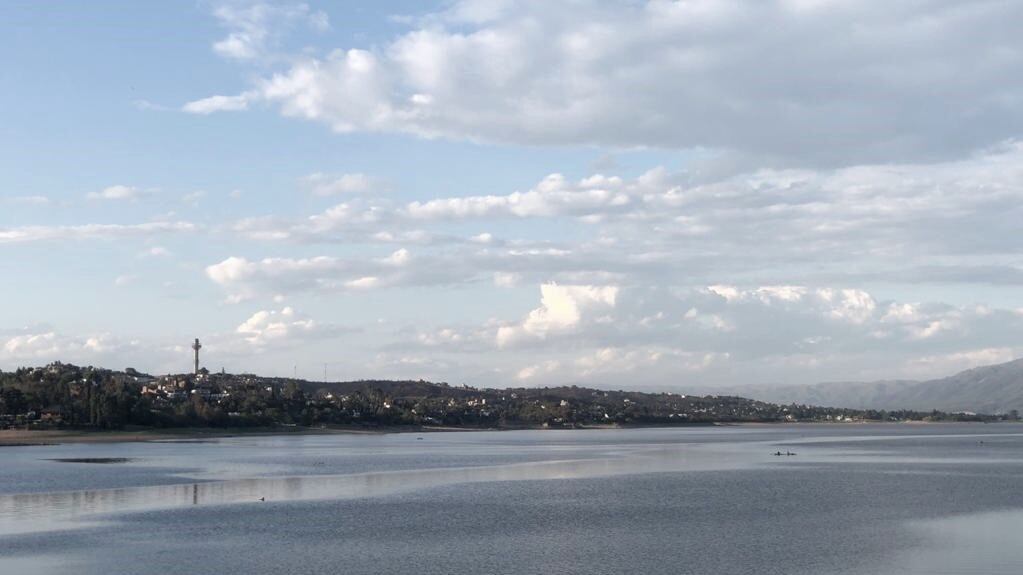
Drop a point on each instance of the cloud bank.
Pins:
(800, 83)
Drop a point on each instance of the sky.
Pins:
(645, 194)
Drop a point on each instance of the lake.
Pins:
(857, 499)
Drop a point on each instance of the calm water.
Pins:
(854, 499)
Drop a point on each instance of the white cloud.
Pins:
(118, 192)
(326, 185)
(365, 282)
(852, 305)
(218, 103)
(531, 371)
(506, 279)
(651, 335)
(398, 258)
(730, 293)
(554, 196)
(156, 252)
(125, 279)
(954, 221)
(772, 79)
(710, 321)
(255, 27)
(26, 234)
(281, 327)
(441, 337)
(47, 346)
(244, 279)
(32, 345)
(618, 361)
(783, 293)
(846, 304)
(561, 310)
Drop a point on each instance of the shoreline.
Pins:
(21, 437)
(40, 437)
(37, 437)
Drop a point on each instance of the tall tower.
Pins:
(196, 346)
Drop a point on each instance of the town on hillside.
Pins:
(62, 395)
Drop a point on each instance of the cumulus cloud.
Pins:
(775, 79)
(155, 252)
(125, 279)
(217, 103)
(806, 186)
(254, 28)
(363, 283)
(941, 223)
(562, 309)
(118, 192)
(322, 184)
(26, 234)
(279, 327)
(244, 279)
(787, 256)
(616, 361)
(850, 305)
(47, 346)
(32, 345)
(506, 279)
(442, 337)
(554, 196)
(652, 337)
(837, 154)
(531, 371)
(381, 220)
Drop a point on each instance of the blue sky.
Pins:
(655, 195)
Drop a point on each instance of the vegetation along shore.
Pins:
(67, 403)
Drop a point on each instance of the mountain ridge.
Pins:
(994, 388)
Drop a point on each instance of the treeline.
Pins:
(71, 395)
(63, 395)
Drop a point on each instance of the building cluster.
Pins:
(59, 395)
(173, 388)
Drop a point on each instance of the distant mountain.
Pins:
(988, 389)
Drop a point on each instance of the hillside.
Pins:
(988, 389)
(67, 396)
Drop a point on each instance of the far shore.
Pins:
(23, 437)
(29, 437)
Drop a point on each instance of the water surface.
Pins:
(853, 499)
